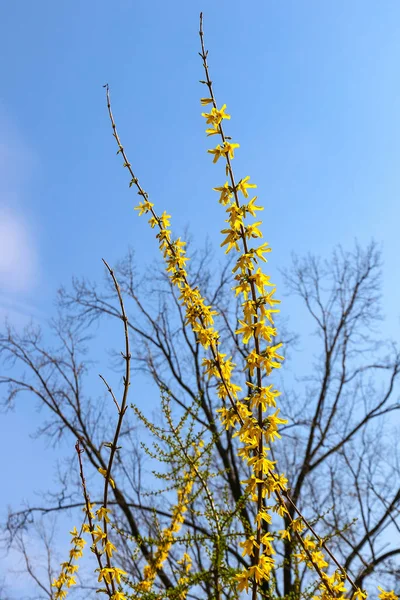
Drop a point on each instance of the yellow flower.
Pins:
(89, 510)
(268, 299)
(153, 222)
(165, 220)
(262, 515)
(251, 208)
(248, 546)
(261, 250)
(227, 388)
(105, 574)
(273, 421)
(164, 237)
(69, 568)
(226, 150)
(215, 116)
(79, 542)
(98, 534)
(144, 207)
(252, 231)
(251, 484)
(210, 117)
(247, 330)
(218, 151)
(265, 331)
(213, 131)
(228, 417)
(264, 396)
(144, 586)
(266, 312)
(261, 463)
(70, 581)
(109, 573)
(221, 114)
(267, 540)
(243, 580)
(262, 569)
(229, 149)
(226, 366)
(210, 367)
(285, 534)
(104, 472)
(249, 310)
(102, 513)
(244, 452)
(205, 336)
(60, 581)
(319, 559)
(243, 286)
(272, 353)
(244, 185)
(235, 217)
(309, 543)
(281, 481)
(253, 360)
(231, 239)
(261, 280)
(226, 193)
(118, 596)
(245, 263)
(387, 595)
(186, 561)
(109, 548)
(297, 525)
(359, 595)
(280, 509)
(302, 557)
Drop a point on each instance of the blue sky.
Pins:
(313, 89)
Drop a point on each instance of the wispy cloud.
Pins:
(18, 255)
(19, 260)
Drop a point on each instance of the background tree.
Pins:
(339, 452)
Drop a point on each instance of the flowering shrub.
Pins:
(253, 414)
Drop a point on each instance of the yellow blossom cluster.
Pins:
(333, 588)
(310, 548)
(66, 577)
(167, 536)
(110, 574)
(186, 564)
(106, 573)
(386, 595)
(253, 427)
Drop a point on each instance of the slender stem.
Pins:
(79, 452)
(122, 410)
